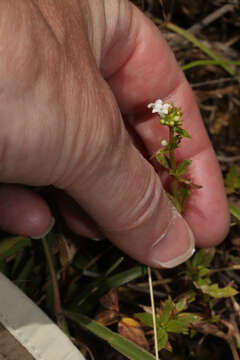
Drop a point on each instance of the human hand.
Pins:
(68, 70)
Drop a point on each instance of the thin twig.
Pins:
(228, 159)
(159, 294)
(213, 82)
(210, 18)
(227, 268)
(210, 329)
(153, 313)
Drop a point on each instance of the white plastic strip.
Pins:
(31, 327)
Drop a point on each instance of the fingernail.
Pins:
(47, 231)
(175, 245)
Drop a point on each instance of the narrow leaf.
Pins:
(145, 318)
(177, 326)
(168, 306)
(190, 37)
(22, 279)
(202, 258)
(235, 211)
(182, 167)
(183, 132)
(12, 245)
(216, 292)
(209, 62)
(186, 299)
(232, 180)
(119, 343)
(101, 286)
(163, 160)
(183, 194)
(162, 339)
(181, 324)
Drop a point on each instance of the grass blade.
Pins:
(190, 37)
(12, 245)
(23, 278)
(119, 343)
(235, 211)
(102, 285)
(200, 45)
(209, 62)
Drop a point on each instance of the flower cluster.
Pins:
(159, 107)
(169, 114)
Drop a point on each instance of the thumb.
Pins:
(121, 191)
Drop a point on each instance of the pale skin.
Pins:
(70, 70)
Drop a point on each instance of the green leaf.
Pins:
(202, 258)
(185, 300)
(175, 202)
(177, 326)
(22, 279)
(162, 336)
(202, 282)
(122, 345)
(181, 305)
(182, 167)
(91, 293)
(163, 160)
(182, 132)
(216, 292)
(12, 245)
(146, 318)
(232, 180)
(183, 194)
(168, 306)
(114, 266)
(175, 143)
(202, 271)
(209, 62)
(235, 211)
(181, 324)
(17, 262)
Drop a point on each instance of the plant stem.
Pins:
(57, 300)
(153, 313)
(173, 165)
(171, 149)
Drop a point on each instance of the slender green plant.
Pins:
(180, 190)
(172, 317)
(181, 183)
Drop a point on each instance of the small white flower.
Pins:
(164, 142)
(159, 107)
